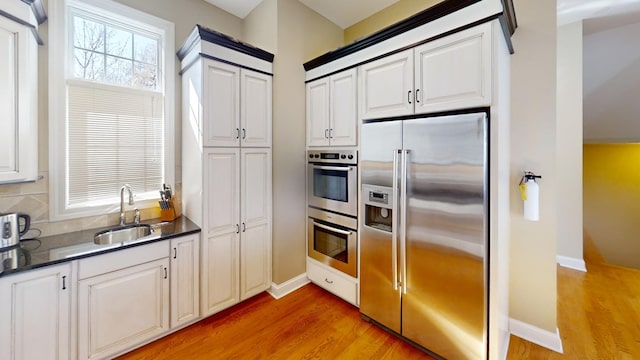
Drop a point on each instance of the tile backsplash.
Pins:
(33, 198)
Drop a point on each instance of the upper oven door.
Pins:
(333, 188)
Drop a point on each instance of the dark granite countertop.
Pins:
(55, 249)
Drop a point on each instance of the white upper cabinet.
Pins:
(386, 86)
(237, 106)
(18, 103)
(454, 72)
(318, 112)
(331, 110)
(221, 126)
(256, 113)
(343, 99)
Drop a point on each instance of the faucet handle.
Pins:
(136, 216)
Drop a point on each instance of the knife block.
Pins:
(170, 213)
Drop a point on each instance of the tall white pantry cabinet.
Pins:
(226, 164)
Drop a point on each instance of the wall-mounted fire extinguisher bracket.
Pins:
(530, 194)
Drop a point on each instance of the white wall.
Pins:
(532, 283)
(569, 145)
(301, 34)
(611, 85)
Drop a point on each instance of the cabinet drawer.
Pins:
(101, 264)
(331, 280)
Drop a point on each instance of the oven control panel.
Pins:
(333, 156)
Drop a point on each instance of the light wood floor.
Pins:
(598, 318)
(307, 324)
(598, 314)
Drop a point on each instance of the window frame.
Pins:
(60, 70)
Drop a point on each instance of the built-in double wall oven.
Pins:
(333, 208)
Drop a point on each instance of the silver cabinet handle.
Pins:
(175, 253)
(237, 229)
(330, 135)
(409, 96)
(328, 281)
(326, 133)
(244, 227)
(336, 168)
(417, 95)
(339, 231)
(237, 133)
(64, 282)
(244, 133)
(165, 273)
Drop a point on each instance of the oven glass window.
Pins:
(330, 243)
(331, 184)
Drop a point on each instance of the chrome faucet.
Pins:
(122, 211)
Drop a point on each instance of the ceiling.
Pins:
(602, 14)
(343, 13)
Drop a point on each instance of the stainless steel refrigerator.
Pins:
(424, 231)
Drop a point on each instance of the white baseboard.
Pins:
(505, 347)
(289, 286)
(571, 263)
(544, 338)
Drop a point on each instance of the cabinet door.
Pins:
(221, 104)
(35, 314)
(255, 243)
(121, 309)
(256, 112)
(386, 86)
(18, 103)
(220, 252)
(185, 281)
(454, 72)
(318, 112)
(342, 107)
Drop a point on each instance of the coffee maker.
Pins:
(11, 230)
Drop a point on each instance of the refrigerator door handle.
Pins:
(403, 220)
(394, 220)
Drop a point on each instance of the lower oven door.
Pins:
(333, 245)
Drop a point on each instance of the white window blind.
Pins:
(115, 137)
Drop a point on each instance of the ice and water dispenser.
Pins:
(378, 207)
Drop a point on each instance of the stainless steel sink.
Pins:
(122, 234)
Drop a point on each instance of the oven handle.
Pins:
(343, 232)
(336, 168)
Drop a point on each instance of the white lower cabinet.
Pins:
(185, 280)
(124, 305)
(236, 245)
(334, 281)
(35, 314)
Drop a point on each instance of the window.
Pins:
(111, 106)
